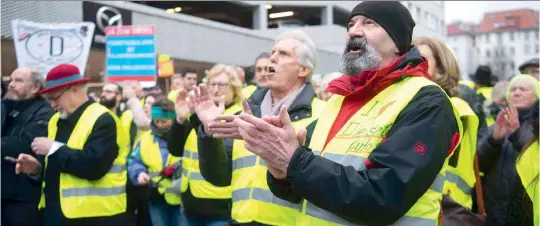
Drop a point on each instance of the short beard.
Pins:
(109, 104)
(353, 64)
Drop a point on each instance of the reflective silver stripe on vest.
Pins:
(460, 183)
(240, 194)
(262, 195)
(173, 190)
(359, 164)
(438, 183)
(90, 191)
(117, 168)
(319, 213)
(243, 162)
(154, 174)
(196, 176)
(191, 154)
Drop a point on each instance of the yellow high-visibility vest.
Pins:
(172, 95)
(527, 168)
(485, 91)
(199, 187)
(151, 157)
(252, 199)
(248, 90)
(127, 119)
(469, 84)
(81, 198)
(350, 147)
(460, 178)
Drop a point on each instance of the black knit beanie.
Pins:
(393, 17)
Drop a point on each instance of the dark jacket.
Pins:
(475, 101)
(497, 160)
(91, 163)
(215, 155)
(396, 175)
(24, 121)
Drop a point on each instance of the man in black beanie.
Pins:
(376, 155)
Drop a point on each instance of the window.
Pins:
(526, 50)
(426, 17)
(536, 35)
(502, 66)
(526, 36)
(432, 23)
(487, 37)
(418, 14)
(443, 28)
(512, 65)
(499, 37)
(409, 6)
(488, 54)
(512, 51)
(536, 50)
(511, 36)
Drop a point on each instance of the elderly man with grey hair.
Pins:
(225, 162)
(26, 117)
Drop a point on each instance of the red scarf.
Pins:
(359, 90)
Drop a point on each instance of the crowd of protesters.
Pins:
(396, 137)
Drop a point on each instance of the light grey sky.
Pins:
(473, 11)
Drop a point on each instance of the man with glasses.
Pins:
(85, 157)
(26, 115)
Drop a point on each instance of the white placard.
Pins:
(46, 45)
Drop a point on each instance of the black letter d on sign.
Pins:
(59, 50)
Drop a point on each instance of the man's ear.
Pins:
(304, 71)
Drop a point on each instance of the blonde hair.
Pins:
(447, 73)
(523, 77)
(234, 81)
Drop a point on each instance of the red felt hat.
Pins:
(61, 76)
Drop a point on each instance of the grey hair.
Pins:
(328, 78)
(36, 79)
(306, 52)
(498, 92)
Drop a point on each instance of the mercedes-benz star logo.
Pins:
(108, 16)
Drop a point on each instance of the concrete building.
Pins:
(202, 33)
(503, 40)
(461, 39)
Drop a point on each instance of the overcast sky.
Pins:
(473, 11)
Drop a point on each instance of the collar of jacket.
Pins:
(374, 81)
(302, 103)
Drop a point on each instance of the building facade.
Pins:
(503, 40)
(204, 33)
(461, 39)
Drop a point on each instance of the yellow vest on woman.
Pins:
(359, 137)
(460, 177)
(81, 198)
(151, 157)
(199, 187)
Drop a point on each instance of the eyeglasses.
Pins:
(219, 85)
(59, 95)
